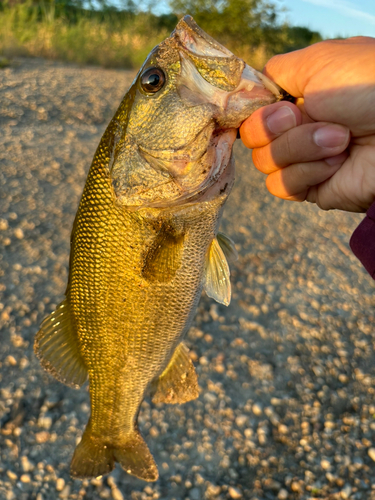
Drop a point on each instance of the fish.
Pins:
(145, 243)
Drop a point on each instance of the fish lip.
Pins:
(265, 81)
(184, 36)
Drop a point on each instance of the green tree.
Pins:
(234, 22)
(299, 37)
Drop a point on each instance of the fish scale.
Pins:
(154, 340)
(145, 242)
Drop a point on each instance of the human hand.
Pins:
(323, 148)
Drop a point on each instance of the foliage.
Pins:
(244, 22)
(122, 34)
(298, 37)
(109, 39)
(250, 28)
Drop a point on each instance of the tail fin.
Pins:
(136, 459)
(94, 457)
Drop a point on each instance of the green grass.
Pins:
(88, 40)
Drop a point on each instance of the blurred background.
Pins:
(120, 33)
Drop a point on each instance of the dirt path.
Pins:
(287, 371)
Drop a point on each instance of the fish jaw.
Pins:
(252, 92)
(194, 39)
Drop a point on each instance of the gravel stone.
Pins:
(60, 483)
(234, 493)
(325, 464)
(287, 371)
(283, 494)
(346, 492)
(257, 409)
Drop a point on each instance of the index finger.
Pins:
(293, 71)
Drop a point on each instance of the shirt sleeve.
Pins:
(362, 241)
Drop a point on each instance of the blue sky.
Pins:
(330, 17)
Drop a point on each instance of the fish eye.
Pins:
(152, 80)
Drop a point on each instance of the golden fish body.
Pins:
(145, 243)
(131, 317)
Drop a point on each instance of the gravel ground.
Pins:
(287, 408)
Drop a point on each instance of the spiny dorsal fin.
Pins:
(56, 346)
(163, 259)
(178, 383)
(217, 281)
(228, 247)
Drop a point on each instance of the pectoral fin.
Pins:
(217, 281)
(163, 259)
(178, 383)
(56, 346)
(228, 247)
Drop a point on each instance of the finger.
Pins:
(294, 182)
(309, 142)
(267, 123)
(293, 70)
(285, 70)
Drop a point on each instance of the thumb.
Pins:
(292, 71)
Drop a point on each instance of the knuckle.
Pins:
(288, 149)
(303, 171)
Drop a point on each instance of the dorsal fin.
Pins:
(216, 279)
(56, 346)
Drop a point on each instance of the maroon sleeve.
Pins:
(362, 241)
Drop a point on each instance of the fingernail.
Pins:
(331, 136)
(281, 120)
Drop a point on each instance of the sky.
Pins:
(331, 18)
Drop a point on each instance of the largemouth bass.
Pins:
(145, 243)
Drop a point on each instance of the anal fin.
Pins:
(56, 346)
(178, 383)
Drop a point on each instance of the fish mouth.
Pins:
(197, 42)
(211, 74)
